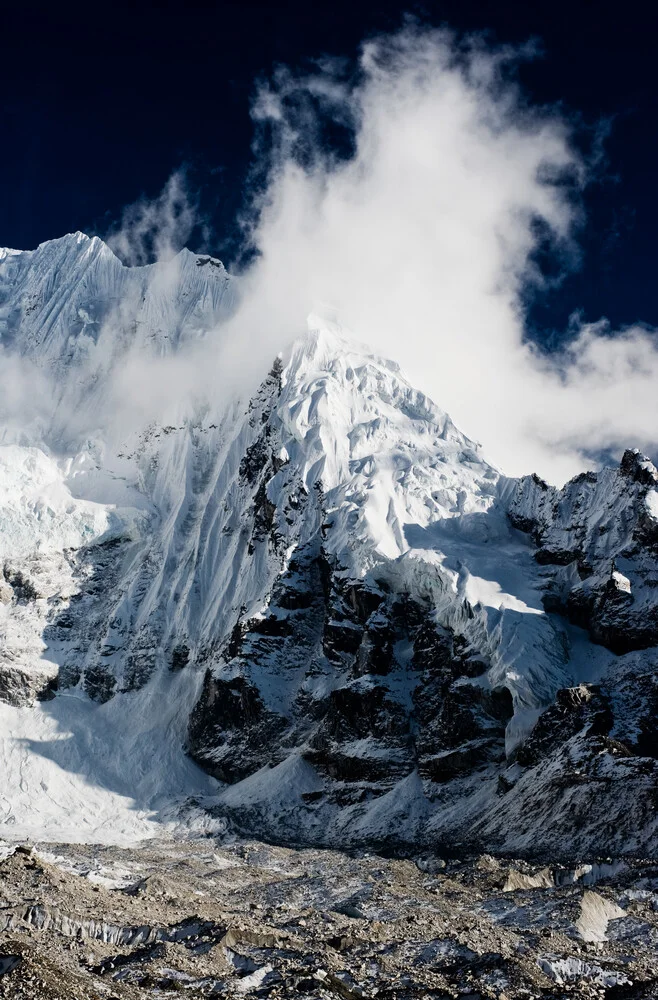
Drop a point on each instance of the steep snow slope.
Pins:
(324, 594)
(68, 299)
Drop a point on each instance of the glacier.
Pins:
(312, 611)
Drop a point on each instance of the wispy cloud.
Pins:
(156, 229)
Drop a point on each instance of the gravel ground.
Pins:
(201, 919)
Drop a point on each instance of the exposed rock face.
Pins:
(20, 687)
(599, 534)
(323, 594)
(576, 710)
(358, 732)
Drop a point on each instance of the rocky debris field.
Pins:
(200, 919)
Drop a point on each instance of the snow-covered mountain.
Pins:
(317, 613)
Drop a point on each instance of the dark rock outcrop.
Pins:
(379, 689)
(598, 535)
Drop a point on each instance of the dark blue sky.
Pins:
(101, 103)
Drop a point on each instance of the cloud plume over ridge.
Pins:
(423, 239)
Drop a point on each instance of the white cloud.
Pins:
(422, 243)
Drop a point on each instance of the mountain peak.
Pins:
(327, 580)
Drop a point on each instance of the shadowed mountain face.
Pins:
(316, 613)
